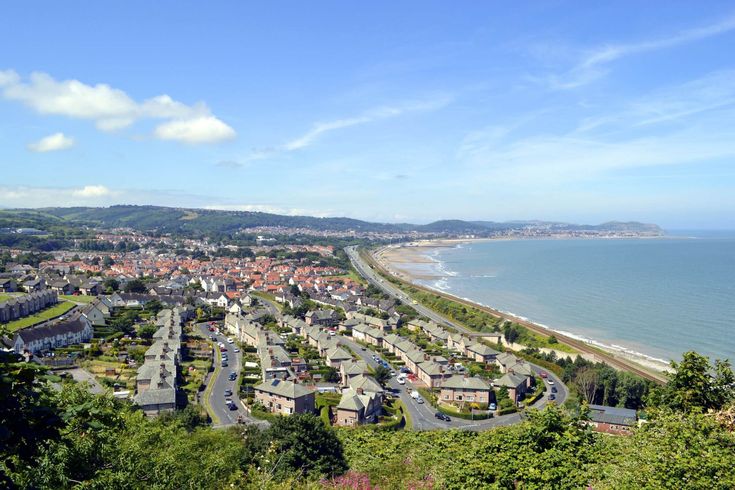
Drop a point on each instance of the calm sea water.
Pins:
(659, 297)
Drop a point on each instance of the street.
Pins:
(220, 383)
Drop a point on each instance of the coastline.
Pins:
(403, 260)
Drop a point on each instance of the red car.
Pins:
(543, 374)
(223, 349)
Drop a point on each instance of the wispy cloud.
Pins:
(592, 65)
(680, 103)
(647, 132)
(380, 113)
(112, 109)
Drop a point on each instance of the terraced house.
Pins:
(22, 306)
(52, 335)
(156, 382)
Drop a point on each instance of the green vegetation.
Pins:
(52, 312)
(513, 332)
(6, 296)
(70, 438)
(77, 299)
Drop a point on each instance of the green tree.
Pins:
(301, 443)
(381, 375)
(111, 285)
(331, 375)
(696, 385)
(135, 286)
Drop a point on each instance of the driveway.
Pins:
(83, 376)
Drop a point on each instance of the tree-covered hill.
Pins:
(180, 220)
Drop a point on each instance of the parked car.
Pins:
(405, 370)
(237, 350)
(442, 416)
(544, 374)
(552, 397)
(401, 380)
(232, 376)
(553, 389)
(230, 341)
(492, 407)
(550, 381)
(419, 400)
(223, 349)
(228, 392)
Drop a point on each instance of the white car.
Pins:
(401, 380)
(236, 350)
(550, 381)
(230, 341)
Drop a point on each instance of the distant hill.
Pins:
(179, 220)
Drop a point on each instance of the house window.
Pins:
(446, 397)
(459, 397)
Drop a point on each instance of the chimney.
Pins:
(360, 391)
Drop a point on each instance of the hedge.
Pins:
(506, 411)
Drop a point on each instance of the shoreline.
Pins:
(392, 259)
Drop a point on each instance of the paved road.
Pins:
(367, 272)
(422, 414)
(221, 382)
(83, 376)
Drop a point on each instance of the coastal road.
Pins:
(374, 278)
(220, 382)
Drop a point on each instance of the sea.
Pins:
(654, 298)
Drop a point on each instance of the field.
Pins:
(43, 315)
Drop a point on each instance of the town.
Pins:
(246, 334)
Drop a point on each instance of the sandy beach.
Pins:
(413, 262)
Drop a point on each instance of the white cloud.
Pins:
(592, 65)
(92, 191)
(203, 129)
(112, 109)
(53, 142)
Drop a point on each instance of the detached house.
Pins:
(612, 420)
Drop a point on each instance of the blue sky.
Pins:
(394, 111)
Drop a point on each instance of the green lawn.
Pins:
(47, 314)
(78, 299)
(7, 296)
